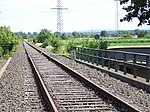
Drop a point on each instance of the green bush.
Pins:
(46, 43)
(92, 44)
(99, 44)
(70, 44)
(147, 36)
(1, 51)
(85, 43)
(102, 44)
(8, 41)
(55, 42)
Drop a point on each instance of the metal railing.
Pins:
(114, 59)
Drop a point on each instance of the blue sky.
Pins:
(34, 15)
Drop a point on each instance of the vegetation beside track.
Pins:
(61, 43)
(8, 42)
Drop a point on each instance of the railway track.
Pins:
(66, 90)
(32, 97)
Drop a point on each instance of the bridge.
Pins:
(135, 49)
(128, 66)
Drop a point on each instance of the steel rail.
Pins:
(43, 89)
(89, 83)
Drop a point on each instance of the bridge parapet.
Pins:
(114, 59)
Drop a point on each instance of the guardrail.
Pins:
(113, 58)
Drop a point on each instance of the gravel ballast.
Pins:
(13, 86)
(136, 97)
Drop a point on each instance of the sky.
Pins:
(34, 15)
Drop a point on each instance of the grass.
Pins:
(38, 44)
(61, 51)
(129, 44)
(50, 48)
(111, 41)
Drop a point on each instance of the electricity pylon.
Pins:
(59, 9)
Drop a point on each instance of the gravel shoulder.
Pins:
(14, 86)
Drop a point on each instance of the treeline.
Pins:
(126, 33)
(59, 42)
(103, 33)
(26, 35)
(8, 41)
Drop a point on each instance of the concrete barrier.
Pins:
(4, 67)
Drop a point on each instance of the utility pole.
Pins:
(59, 9)
(117, 16)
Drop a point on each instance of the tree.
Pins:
(25, 36)
(43, 35)
(83, 35)
(142, 33)
(64, 36)
(57, 34)
(76, 34)
(103, 33)
(137, 9)
(124, 34)
(136, 31)
(35, 34)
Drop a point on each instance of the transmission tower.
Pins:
(59, 9)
